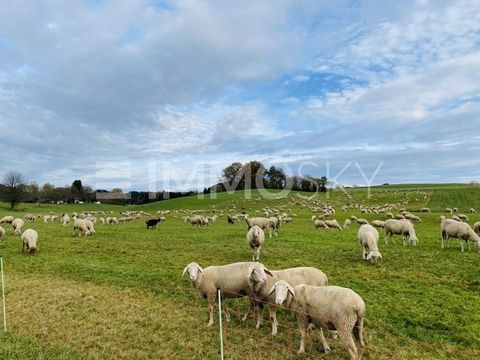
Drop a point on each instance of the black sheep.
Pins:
(152, 223)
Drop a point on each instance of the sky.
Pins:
(153, 95)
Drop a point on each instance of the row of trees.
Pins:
(254, 175)
(14, 189)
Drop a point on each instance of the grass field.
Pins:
(119, 294)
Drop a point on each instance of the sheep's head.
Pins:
(193, 270)
(257, 273)
(281, 289)
(374, 256)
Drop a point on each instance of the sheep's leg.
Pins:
(326, 348)
(252, 307)
(364, 253)
(358, 332)
(302, 326)
(461, 245)
(347, 339)
(273, 319)
(270, 232)
(259, 316)
(226, 312)
(211, 305)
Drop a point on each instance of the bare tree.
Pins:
(13, 187)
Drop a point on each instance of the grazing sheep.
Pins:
(456, 218)
(256, 238)
(330, 307)
(453, 229)
(260, 284)
(230, 279)
(400, 227)
(463, 217)
(425, 210)
(263, 223)
(473, 211)
(476, 227)
(275, 223)
(102, 220)
(2, 232)
(80, 226)
(362, 222)
(389, 215)
(17, 226)
(448, 210)
(347, 223)
(412, 217)
(152, 223)
(455, 210)
(89, 225)
(7, 219)
(230, 220)
(333, 224)
(368, 237)
(29, 241)
(46, 218)
(399, 217)
(378, 223)
(320, 224)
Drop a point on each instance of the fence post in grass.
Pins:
(220, 322)
(3, 297)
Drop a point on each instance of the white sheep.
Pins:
(333, 224)
(425, 210)
(89, 225)
(400, 227)
(378, 223)
(263, 223)
(476, 227)
(473, 211)
(275, 223)
(65, 219)
(330, 307)
(46, 218)
(7, 219)
(463, 217)
(2, 232)
(231, 279)
(29, 241)
(261, 281)
(80, 226)
(450, 228)
(368, 237)
(256, 238)
(17, 226)
(347, 223)
(320, 224)
(361, 221)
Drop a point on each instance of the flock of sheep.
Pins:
(303, 290)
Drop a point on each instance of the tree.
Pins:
(13, 188)
(77, 189)
(275, 178)
(233, 177)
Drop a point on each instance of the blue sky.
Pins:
(164, 94)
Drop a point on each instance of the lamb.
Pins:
(320, 224)
(260, 284)
(29, 241)
(17, 226)
(7, 219)
(256, 238)
(230, 279)
(368, 237)
(333, 224)
(400, 227)
(378, 223)
(2, 232)
(330, 307)
(80, 226)
(453, 229)
(476, 227)
(347, 223)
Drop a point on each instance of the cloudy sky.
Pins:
(164, 94)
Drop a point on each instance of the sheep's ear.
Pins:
(272, 290)
(251, 270)
(185, 270)
(291, 291)
(268, 272)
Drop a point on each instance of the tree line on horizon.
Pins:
(237, 176)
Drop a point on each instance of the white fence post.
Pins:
(3, 297)
(220, 322)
